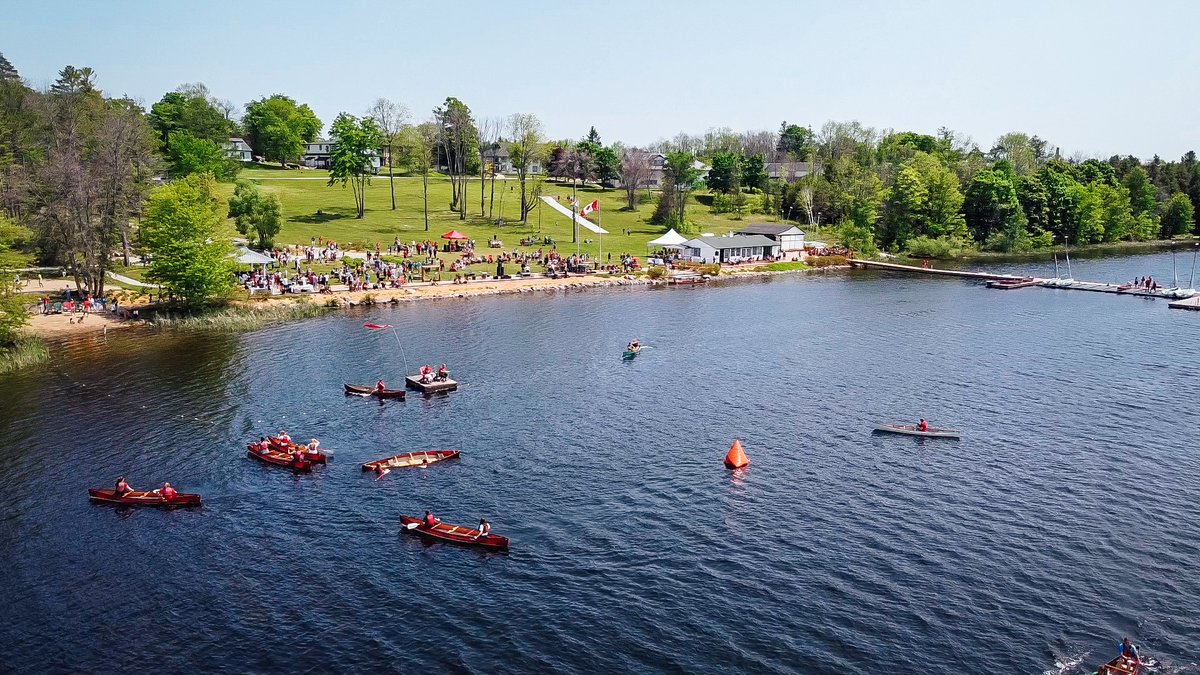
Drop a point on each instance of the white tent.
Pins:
(671, 238)
(247, 257)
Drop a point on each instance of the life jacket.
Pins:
(430, 521)
(169, 493)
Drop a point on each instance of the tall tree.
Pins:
(795, 141)
(72, 80)
(725, 175)
(255, 214)
(593, 137)
(606, 166)
(8, 71)
(457, 134)
(355, 144)
(754, 172)
(182, 233)
(525, 151)
(487, 136)
(1141, 191)
(990, 205)
(420, 145)
(1177, 217)
(635, 171)
(390, 117)
(278, 128)
(680, 178)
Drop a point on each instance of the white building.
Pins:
(316, 155)
(239, 149)
(730, 249)
(789, 237)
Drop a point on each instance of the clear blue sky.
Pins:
(1093, 76)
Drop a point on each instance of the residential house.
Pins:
(239, 149)
(730, 249)
(658, 164)
(501, 161)
(316, 155)
(789, 237)
(789, 172)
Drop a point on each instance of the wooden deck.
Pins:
(1192, 303)
(896, 267)
(414, 382)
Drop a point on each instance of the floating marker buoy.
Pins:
(736, 458)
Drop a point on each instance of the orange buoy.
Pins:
(736, 458)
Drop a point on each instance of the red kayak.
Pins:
(456, 534)
(142, 498)
(281, 445)
(411, 459)
(278, 458)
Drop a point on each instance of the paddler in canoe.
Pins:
(379, 386)
(122, 487)
(922, 425)
(1129, 652)
(634, 346)
(428, 520)
(166, 492)
(485, 528)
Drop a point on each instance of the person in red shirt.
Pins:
(379, 386)
(167, 492)
(429, 520)
(122, 487)
(923, 425)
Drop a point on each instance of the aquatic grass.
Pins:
(240, 318)
(782, 267)
(24, 353)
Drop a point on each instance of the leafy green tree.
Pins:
(858, 194)
(72, 80)
(905, 211)
(725, 175)
(278, 128)
(190, 113)
(796, 141)
(356, 142)
(1142, 198)
(1035, 203)
(754, 172)
(255, 214)
(181, 232)
(1083, 215)
(606, 165)
(188, 154)
(900, 147)
(990, 204)
(944, 216)
(682, 177)
(1118, 220)
(1095, 171)
(1177, 217)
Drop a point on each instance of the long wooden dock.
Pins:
(1192, 303)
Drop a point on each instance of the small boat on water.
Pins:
(278, 458)
(137, 498)
(1119, 666)
(316, 457)
(358, 390)
(433, 387)
(1010, 284)
(913, 430)
(630, 353)
(455, 534)
(407, 459)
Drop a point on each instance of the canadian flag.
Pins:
(594, 206)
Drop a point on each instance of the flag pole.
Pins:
(600, 222)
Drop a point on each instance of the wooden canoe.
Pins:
(912, 430)
(411, 459)
(456, 534)
(358, 390)
(1119, 666)
(278, 458)
(317, 457)
(138, 498)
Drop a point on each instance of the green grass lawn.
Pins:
(313, 209)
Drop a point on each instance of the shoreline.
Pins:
(54, 326)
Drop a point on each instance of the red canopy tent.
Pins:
(454, 234)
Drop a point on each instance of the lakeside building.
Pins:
(788, 172)
(239, 149)
(501, 161)
(789, 237)
(730, 249)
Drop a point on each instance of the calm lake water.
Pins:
(1067, 516)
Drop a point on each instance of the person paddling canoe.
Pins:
(167, 492)
(429, 520)
(634, 346)
(122, 487)
(485, 528)
(1129, 651)
(379, 386)
(922, 425)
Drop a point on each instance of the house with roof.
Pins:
(500, 161)
(658, 170)
(730, 249)
(239, 149)
(789, 172)
(317, 155)
(789, 237)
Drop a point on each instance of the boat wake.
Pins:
(1068, 665)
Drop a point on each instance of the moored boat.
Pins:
(316, 457)
(139, 498)
(278, 458)
(1119, 666)
(407, 459)
(1009, 284)
(455, 534)
(358, 390)
(913, 430)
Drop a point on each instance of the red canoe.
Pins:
(456, 534)
(358, 390)
(142, 498)
(411, 459)
(1120, 666)
(317, 457)
(278, 458)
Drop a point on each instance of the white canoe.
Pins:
(912, 430)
